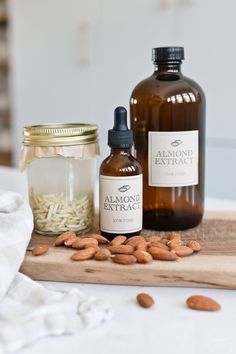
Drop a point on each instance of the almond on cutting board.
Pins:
(173, 235)
(196, 247)
(202, 303)
(182, 251)
(145, 300)
(121, 249)
(159, 245)
(163, 255)
(84, 254)
(175, 242)
(39, 250)
(134, 240)
(142, 256)
(64, 237)
(102, 254)
(81, 242)
(125, 259)
(118, 240)
(101, 239)
(154, 238)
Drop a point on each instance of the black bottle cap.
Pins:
(120, 136)
(167, 54)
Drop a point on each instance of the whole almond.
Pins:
(173, 235)
(132, 241)
(158, 253)
(202, 303)
(153, 238)
(64, 237)
(102, 254)
(70, 240)
(81, 242)
(122, 249)
(96, 247)
(141, 245)
(84, 254)
(39, 250)
(125, 259)
(142, 256)
(118, 240)
(182, 251)
(159, 245)
(145, 300)
(101, 239)
(194, 245)
(175, 242)
(164, 241)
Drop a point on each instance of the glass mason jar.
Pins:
(61, 166)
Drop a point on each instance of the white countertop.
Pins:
(169, 327)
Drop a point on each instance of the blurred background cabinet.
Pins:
(74, 60)
(5, 114)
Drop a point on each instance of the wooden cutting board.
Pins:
(213, 267)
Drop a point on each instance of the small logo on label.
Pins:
(176, 143)
(124, 188)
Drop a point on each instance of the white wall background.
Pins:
(75, 61)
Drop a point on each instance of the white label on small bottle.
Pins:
(173, 158)
(121, 204)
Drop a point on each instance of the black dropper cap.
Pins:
(167, 54)
(120, 136)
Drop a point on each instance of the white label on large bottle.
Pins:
(173, 158)
(121, 204)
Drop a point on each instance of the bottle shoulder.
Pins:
(158, 85)
(120, 165)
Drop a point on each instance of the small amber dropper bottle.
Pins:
(121, 183)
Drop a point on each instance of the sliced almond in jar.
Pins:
(134, 240)
(84, 254)
(145, 300)
(64, 237)
(160, 254)
(101, 239)
(142, 256)
(125, 259)
(39, 250)
(196, 247)
(118, 240)
(182, 251)
(122, 249)
(102, 254)
(202, 303)
(82, 242)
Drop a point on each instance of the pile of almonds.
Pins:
(124, 250)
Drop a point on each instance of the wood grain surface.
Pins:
(214, 266)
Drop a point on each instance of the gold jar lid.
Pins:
(60, 134)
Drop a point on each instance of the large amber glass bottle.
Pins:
(168, 121)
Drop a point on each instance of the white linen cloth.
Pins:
(28, 310)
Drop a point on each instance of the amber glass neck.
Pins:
(120, 151)
(171, 66)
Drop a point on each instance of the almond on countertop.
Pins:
(102, 254)
(202, 303)
(145, 300)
